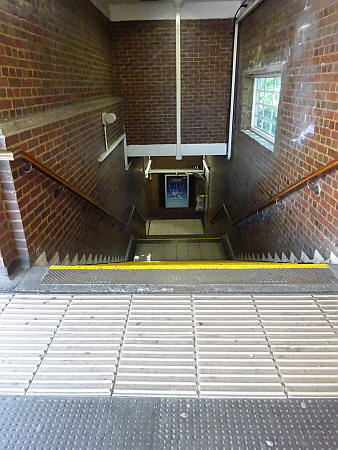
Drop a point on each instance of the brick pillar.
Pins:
(13, 246)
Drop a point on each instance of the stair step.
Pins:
(55, 259)
(75, 261)
(177, 239)
(83, 259)
(174, 236)
(66, 261)
(41, 260)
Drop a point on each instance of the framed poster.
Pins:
(177, 191)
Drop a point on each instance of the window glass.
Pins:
(265, 104)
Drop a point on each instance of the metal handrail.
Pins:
(133, 211)
(60, 180)
(222, 209)
(327, 167)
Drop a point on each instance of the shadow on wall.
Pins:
(290, 40)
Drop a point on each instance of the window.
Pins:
(265, 105)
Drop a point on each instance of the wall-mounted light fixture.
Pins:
(108, 118)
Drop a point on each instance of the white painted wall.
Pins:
(164, 11)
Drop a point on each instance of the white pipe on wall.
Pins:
(146, 172)
(232, 96)
(108, 151)
(178, 82)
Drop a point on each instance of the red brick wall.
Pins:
(305, 222)
(56, 220)
(305, 39)
(53, 53)
(146, 79)
(206, 58)
(70, 148)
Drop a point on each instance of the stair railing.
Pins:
(41, 167)
(326, 168)
(134, 210)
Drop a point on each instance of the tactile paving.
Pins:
(29, 423)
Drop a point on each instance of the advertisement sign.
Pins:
(177, 191)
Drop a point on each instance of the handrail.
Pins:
(133, 210)
(65, 183)
(327, 167)
(222, 209)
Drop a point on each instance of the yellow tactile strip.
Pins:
(136, 265)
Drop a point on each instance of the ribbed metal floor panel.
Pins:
(27, 327)
(83, 356)
(167, 424)
(329, 307)
(234, 358)
(158, 350)
(238, 345)
(189, 276)
(304, 345)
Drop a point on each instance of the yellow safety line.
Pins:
(135, 265)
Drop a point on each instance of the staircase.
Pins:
(78, 259)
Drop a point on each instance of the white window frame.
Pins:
(261, 133)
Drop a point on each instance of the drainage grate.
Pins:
(189, 276)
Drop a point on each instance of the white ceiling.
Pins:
(128, 2)
(124, 10)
